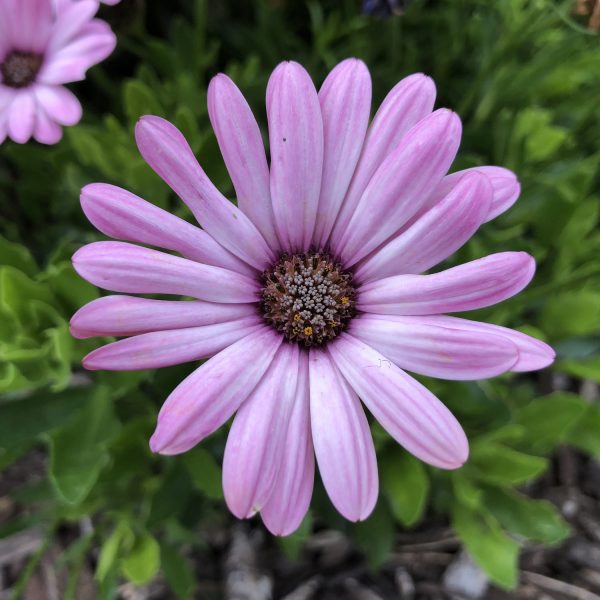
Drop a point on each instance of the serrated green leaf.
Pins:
(547, 421)
(502, 465)
(534, 519)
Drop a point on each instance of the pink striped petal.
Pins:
(289, 501)
(257, 438)
(121, 316)
(60, 104)
(429, 348)
(94, 43)
(69, 22)
(243, 150)
(409, 412)
(31, 21)
(533, 353)
(123, 215)
(165, 149)
(342, 438)
(122, 267)
(436, 235)
(166, 348)
(21, 118)
(407, 103)
(296, 144)
(401, 184)
(505, 185)
(476, 284)
(208, 397)
(345, 99)
(46, 131)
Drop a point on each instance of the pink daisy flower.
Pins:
(308, 294)
(42, 48)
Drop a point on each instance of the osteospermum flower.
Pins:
(42, 47)
(309, 293)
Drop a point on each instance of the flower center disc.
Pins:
(308, 298)
(19, 69)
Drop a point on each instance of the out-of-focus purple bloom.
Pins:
(42, 47)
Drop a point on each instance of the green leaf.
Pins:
(499, 464)
(585, 434)
(534, 519)
(143, 561)
(204, 472)
(17, 256)
(582, 308)
(178, 573)
(405, 484)
(488, 545)
(78, 451)
(375, 536)
(121, 536)
(139, 100)
(547, 421)
(22, 421)
(466, 490)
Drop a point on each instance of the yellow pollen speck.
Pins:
(344, 300)
(297, 317)
(308, 331)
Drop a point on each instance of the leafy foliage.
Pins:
(521, 75)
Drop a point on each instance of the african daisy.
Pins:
(43, 47)
(308, 294)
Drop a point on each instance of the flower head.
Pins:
(310, 293)
(42, 47)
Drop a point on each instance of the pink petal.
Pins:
(122, 267)
(409, 412)
(436, 235)
(476, 284)
(46, 131)
(342, 440)
(289, 501)
(165, 149)
(31, 22)
(21, 118)
(533, 353)
(127, 315)
(69, 22)
(345, 99)
(243, 150)
(296, 143)
(208, 397)
(429, 348)
(406, 104)
(165, 348)
(122, 215)
(505, 185)
(401, 184)
(94, 43)
(59, 103)
(257, 438)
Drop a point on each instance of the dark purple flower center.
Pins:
(19, 69)
(308, 298)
